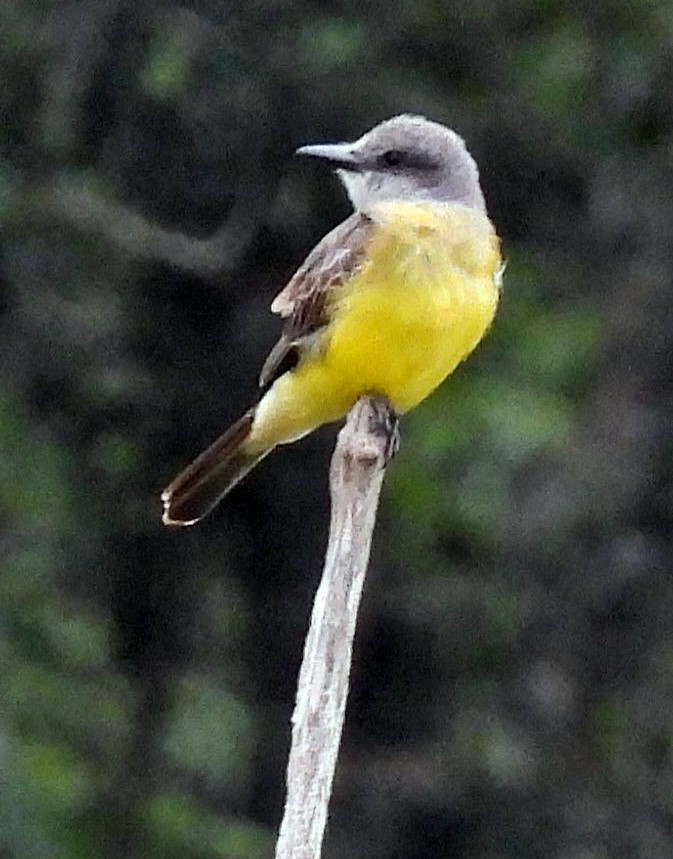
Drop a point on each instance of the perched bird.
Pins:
(388, 303)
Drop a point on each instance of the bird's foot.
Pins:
(385, 423)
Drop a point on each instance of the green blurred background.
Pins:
(513, 680)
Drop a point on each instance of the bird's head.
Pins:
(405, 158)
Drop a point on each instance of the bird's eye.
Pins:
(392, 158)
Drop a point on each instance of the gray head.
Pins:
(404, 158)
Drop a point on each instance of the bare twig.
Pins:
(356, 475)
(91, 211)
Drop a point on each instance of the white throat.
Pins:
(357, 188)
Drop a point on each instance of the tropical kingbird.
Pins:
(388, 303)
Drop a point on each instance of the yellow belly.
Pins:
(417, 307)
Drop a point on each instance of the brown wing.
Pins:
(304, 300)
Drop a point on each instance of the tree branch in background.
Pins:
(140, 237)
(363, 448)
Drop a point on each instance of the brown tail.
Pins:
(197, 489)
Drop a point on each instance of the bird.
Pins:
(387, 304)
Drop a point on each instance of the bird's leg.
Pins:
(384, 422)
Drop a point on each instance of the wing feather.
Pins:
(303, 302)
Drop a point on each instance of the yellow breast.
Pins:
(420, 304)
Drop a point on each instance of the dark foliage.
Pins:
(513, 684)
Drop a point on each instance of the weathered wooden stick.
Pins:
(363, 448)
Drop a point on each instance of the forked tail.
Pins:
(197, 489)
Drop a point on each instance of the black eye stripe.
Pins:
(410, 159)
(393, 158)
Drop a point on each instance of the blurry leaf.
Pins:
(172, 54)
(39, 702)
(115, 454)
(492, 748)
(181, 824)
(610, 724)
(57, 780)
(209, 733)
(330, 43)
(33, 487)
(555, 66)
(562, 348)
(76, 638)
(522, 420)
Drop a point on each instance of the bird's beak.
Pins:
(340, 156)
